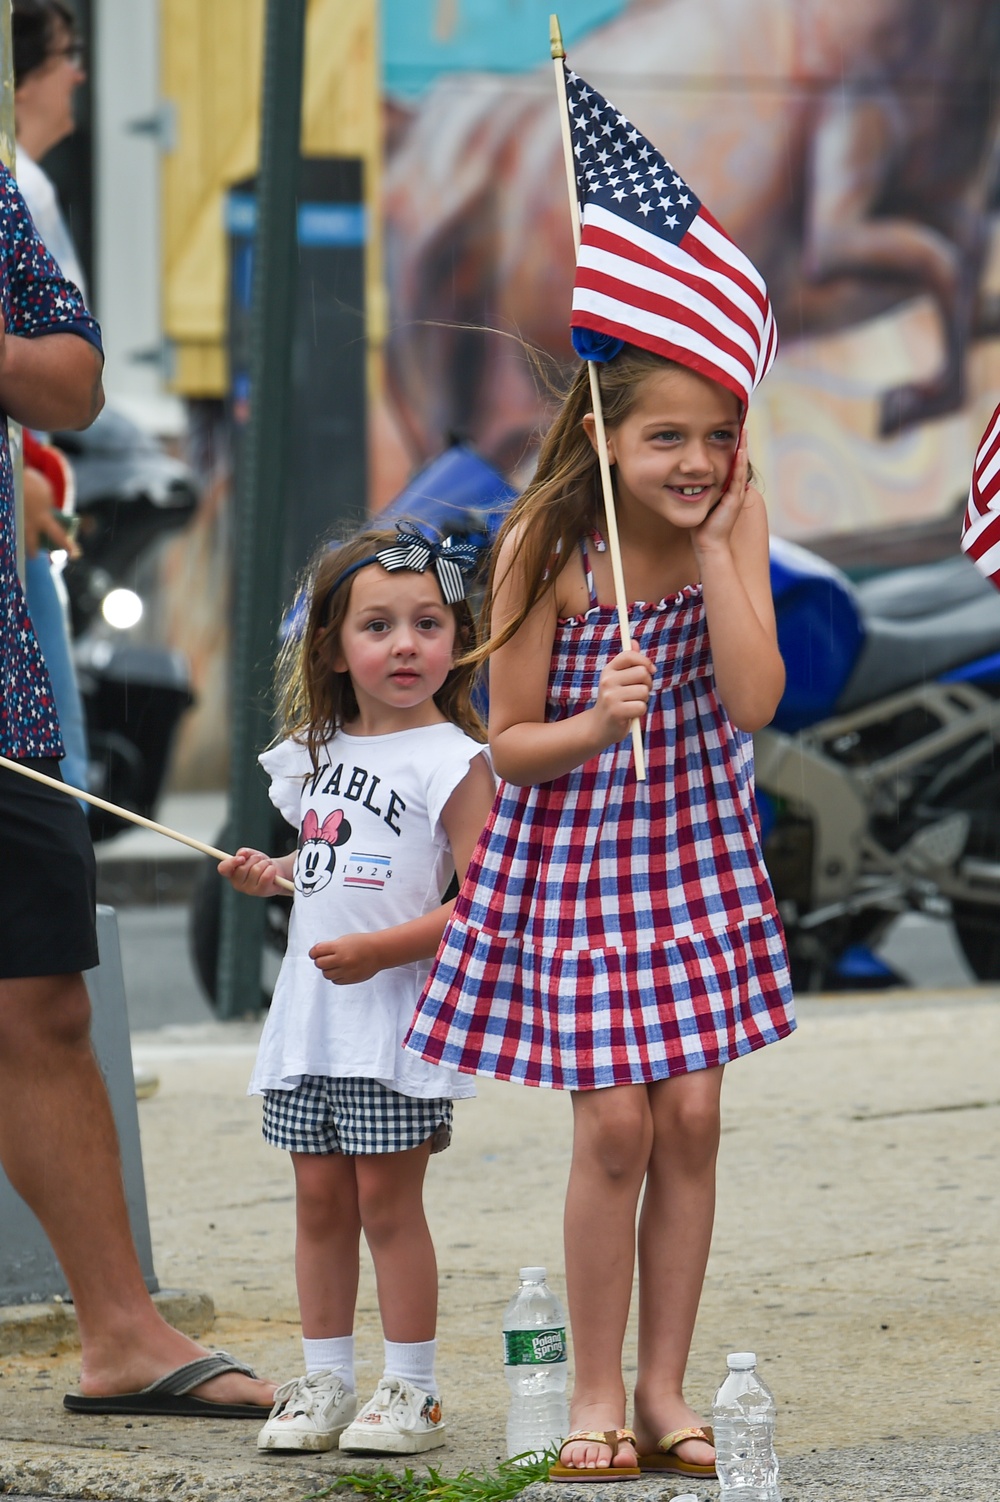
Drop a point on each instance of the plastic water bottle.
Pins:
(534, 1363)
(743, 1418)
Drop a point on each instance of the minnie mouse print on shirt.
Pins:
(316, 860)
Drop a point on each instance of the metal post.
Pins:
(259, 550)
(6, 87)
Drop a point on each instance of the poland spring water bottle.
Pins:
(743, 1419)
(534, 1363)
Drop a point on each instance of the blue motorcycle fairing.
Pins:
(859, 964)
(983, 670)
(458, 492)
(820, 633)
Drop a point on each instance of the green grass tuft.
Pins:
(501, 1485)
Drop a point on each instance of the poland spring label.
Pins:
(534, 1347)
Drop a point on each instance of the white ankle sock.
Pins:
(414, 1363)
(335, 1355)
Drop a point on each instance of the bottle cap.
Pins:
(532, 1274)
(741, 1361)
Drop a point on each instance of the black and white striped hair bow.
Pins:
(451, 561)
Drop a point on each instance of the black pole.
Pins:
(259, 521)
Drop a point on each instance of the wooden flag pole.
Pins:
(611, 521)
(126, 813)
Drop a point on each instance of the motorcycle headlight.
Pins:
(122, 608)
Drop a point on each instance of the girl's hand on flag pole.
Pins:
(623, 693)
(253, 872)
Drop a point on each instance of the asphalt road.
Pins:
(161, 988)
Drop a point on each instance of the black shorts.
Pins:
(48, 878)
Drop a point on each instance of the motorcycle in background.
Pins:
(878, 781)
(129, 494)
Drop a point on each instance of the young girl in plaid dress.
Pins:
(614, 938)
(384, 774)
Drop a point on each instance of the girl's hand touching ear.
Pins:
(716, 530)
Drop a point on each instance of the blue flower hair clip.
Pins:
(592, 345)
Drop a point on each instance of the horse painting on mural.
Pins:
(848, 146)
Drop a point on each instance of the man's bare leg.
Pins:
(59, 1148)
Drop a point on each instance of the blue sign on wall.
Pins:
(318, 223)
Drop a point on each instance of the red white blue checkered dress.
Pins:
(609, 931)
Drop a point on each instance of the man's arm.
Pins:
(51, 381)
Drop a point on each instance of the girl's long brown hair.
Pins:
(563, 503)
(314, 699)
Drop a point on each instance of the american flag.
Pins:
(981, 527)
(654, 268)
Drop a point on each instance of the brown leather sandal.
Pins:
(664, 1459)
(614, 1439)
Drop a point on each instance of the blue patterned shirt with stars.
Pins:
(36, 299)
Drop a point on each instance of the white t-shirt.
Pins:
(372, 853)
(38, 192)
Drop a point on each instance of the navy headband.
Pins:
(451, 562)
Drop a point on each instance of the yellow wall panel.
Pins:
(200, 369)
(211, 63)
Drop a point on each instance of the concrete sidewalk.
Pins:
(855, 1251)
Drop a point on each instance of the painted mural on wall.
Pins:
(851, 147)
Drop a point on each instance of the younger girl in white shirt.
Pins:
(384, 773)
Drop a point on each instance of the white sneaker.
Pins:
(309, 1413)
(399, 1420)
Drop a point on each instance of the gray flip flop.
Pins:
(167, 1397)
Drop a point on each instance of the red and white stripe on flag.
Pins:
(700, 302)
(654, 267)
(981, 527)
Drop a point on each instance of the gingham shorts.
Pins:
(354, 1117)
